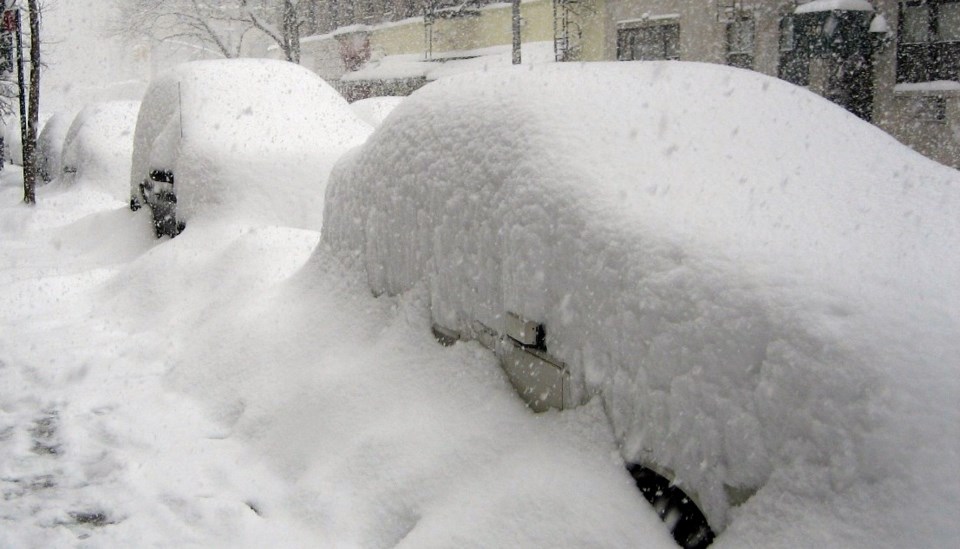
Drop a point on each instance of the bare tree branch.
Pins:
(220, 25)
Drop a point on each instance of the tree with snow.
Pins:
(220, 25)
(14, 87)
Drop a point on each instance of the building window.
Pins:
(788, 34)
(930, 109)
(794, 63)
(928, 41)
(741, 37)
(650, 42)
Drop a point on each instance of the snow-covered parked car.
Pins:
(98, 145)
(768, 312)
(50, 144)
(374, 110)
(247, 138)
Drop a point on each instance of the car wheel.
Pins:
(682, 516)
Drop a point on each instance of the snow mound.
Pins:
(250, 138)
(766, 309)
(12, 141)
(50, 144)
(98, 145)
(374, 110)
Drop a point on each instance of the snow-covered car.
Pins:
(768, 311)
(98, 145)
(260, 151)
(50, 144)
(373, 110)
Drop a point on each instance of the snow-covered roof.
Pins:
(448, 63)
(758, 302)
(831, 5)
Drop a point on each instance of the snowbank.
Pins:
(251, 139)
(98, 145)
(374, 110)
(12, 141)
(760, 287)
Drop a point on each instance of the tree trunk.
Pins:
(290, 27)
(516, 32)
(33, 108)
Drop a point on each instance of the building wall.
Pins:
(703, 37)
(402, 37)
(897, 111)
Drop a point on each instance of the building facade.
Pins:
(895, 63)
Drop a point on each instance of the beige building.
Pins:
(893, 62)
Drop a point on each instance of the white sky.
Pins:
(81, 58)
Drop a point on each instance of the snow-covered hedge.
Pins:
(761, 288)
(98, 145)
(253, 138)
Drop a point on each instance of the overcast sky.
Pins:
(80, 56)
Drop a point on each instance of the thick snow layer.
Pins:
(761, 288)
(934, 86)
(251, 138)
(98, 146)
(374, 110)
(234, 388)
(831, 5)
(879, 24)
(50, 144)
(12, 141)
(413, 65)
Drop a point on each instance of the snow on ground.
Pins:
(238, 387)
(761, 288)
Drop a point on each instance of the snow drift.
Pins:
(760, 288)
(251, 139)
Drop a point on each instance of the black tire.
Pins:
(686, 522)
